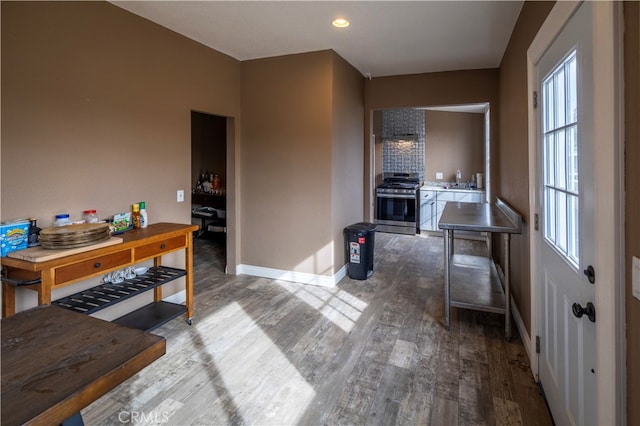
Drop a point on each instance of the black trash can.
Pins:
(360, 243)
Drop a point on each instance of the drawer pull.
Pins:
(162, 246)
(98, 264)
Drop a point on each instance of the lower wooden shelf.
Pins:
(151, 316)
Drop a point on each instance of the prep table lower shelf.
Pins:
(475, 284)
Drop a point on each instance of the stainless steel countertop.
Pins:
(483, 217)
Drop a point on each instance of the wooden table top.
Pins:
(56, 362)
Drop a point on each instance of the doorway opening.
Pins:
(209, 189)
(451, 138)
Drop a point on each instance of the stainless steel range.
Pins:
(396, 203)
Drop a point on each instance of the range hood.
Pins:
(403, 124)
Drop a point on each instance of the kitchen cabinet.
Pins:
(433, 201)
(427, 201)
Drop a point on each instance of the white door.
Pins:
(567, 368)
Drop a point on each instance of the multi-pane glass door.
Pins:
(560, 135)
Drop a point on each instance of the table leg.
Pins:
(8, 300)
(188, 258)
(157, 292)
(45, 286)
(507, 293)
(447, 256)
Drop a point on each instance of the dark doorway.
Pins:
(208, 177)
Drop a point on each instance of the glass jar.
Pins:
(62, 220)
(90, 216)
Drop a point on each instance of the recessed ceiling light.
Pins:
(340, 23)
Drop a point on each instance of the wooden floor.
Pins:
(369, 352)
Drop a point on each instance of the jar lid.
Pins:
(62, 216)
(89, 212)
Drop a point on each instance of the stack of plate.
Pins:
(73, 236)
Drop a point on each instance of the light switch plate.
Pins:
(180, 196)
(635, 277)
(439, 175)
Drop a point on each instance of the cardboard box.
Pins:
(121, 222)
(13, 236)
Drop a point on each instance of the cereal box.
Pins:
(13, 236)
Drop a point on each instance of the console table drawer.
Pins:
(91, 267)
(160, 247)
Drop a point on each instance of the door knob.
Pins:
(589, 310)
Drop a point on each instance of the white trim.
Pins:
(621, 338)
(293, 276)
(609, 297)
(529, 345)
(560, 13)
(522, 329)
(180, 298)
(609, 263)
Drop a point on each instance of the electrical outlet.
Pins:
(180, 196)
(439, 175)
(635, 277)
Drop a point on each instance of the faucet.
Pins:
(458, 177)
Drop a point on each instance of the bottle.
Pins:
(34, 231)
(144, 218)
(136, 216)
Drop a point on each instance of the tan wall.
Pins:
(96, 111)
(454, 141)
(347, 154)
(513, 159)
(287, 162)
(632, 202)
(422, 90)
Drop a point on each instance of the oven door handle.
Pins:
(398, 196)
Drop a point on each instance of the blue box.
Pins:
(13, 236)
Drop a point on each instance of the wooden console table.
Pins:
(56, 362)
(472, 282)
(137, 245)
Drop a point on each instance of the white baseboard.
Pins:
(180, 297)
(524, 336)
(293, 276)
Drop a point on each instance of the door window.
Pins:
(560, 133)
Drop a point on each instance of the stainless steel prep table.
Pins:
(472, 282)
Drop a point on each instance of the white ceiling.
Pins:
(384, 38)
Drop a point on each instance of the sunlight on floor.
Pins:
(342, 308)
(247, 359)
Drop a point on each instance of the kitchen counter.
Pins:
(447, 188)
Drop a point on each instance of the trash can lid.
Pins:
(362, 226)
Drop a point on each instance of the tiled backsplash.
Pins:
(403, 155)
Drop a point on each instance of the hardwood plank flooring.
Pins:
(370, 352)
